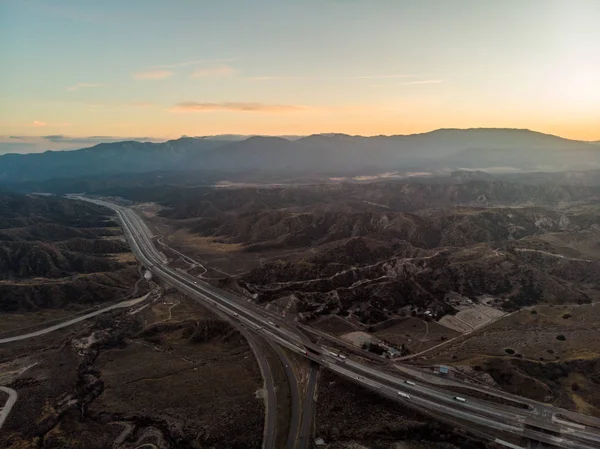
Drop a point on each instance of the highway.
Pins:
(294, 395)
(270, 394)
(308, 406)
(8, 405)
(473, 414)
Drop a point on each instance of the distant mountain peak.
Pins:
(477, 148)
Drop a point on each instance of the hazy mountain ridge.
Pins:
(317, 153)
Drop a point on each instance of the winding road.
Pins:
(120, 305)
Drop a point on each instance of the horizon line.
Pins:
(282, 135)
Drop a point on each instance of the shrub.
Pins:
(533, 312)
(509, 351)
(561, 337)
(566, 316)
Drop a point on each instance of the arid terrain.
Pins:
(352, 417)
(164, 372)
(548, 353)
(168, 373)
(59, 257)
(413, 267)
(469, 275)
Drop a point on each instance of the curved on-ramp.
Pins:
(10, 402)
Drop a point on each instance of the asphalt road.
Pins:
(120, 305)
(476, 412)
(294, 395)
(270, 394)
(12, 398)
(308, 408)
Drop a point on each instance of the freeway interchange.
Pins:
(539, 423)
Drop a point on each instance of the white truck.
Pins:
(410, 382)
(403, 395)
(459, 399)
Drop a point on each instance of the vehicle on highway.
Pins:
(271, 323)
(459, 399)
(403, 395)
(410, 382)
(235, 314)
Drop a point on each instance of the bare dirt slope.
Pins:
(348, 415)
(168, 373)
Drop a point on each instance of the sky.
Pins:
(79, 71)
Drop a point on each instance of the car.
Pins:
(235, 314)
(403, 395)
(410, 382)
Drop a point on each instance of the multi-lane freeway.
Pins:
(484, 418)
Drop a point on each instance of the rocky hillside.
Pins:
(57, 253)
(382, 250)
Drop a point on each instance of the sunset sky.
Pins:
(169, 68)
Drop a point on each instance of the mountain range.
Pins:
(321, 153)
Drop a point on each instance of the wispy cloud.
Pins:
(83, 86)
(200, 61)
(265, 78)
(235, 107)
(61, 138)
(153, 75)
(213, 71)
(95, 106)
(141, 104)
(37, 144)
(424, 82)
(383, 77)
(38, 124)
(332, 78)
(135, 104)
(212, 67)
